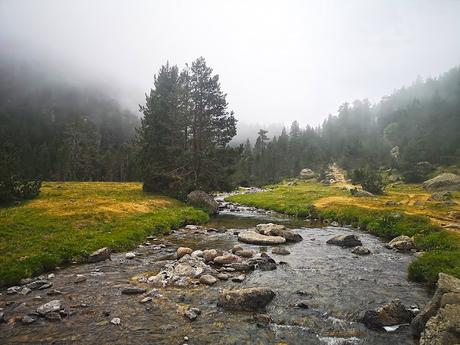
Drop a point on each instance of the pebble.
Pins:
(239, 279)
(54, 292)
(223, 276)
(132, 290)
(54, 305)
(146, 299)
(25, 291)
(80, 278)
(51, 276)
(115, 321)
(27, 319)
(192, 313)
(130, 255)
(207, 279)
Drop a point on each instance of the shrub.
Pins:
(369, 179)
(15, 189)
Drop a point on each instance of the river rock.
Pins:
(207, 279)
(80, 278)
(181, 251)
(239, 279)
(270, 229)
(361, 250)
(439, 321)
(210, 254)
(101, 254)
(54, 305)
(130, 255)
(197, 254)
(249, 299)
(192, 313)
(253, 237)
(445, 181)
(241, 266)
(401, 243)
(223, 276)
(53, 316)
(204, 201)
(225, 259)
(391, 314)
(132, 290)
(115, 321)
(37, 284)
(246, 253)
(236, 248)
(28, 319)
(345, 241)
(280, 251)
(13, 290)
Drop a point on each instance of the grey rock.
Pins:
(80, 278)
(445, 181)
(54, 292)
(204, 201)
(53, 316)
(130, 255)
(280, 251)
(253, 237)
(223, 276)
(192, 313)
(208, 279)
(210, 254)
(249, 299)
(391, 314)
(54, 305)
(401, 243)
(245, 253)
(28, 319)
(115, 321)
(132, 290)
(101, 254)
(225, 259)
(270, 229)
(345, 241)
(239, 279)
(361, 250)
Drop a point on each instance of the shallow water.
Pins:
(336, 284)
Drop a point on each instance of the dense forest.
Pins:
(420, 123)
(53, 130)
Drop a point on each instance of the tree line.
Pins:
(54, 131)
(419, 123)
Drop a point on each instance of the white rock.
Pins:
(115, 321)
(130, 255)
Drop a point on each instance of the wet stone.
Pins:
(132, 290)
(80, 278)
(192, 313)
(239, 279)
(27, 319)
(115, 321)
(101, 254)
(207, 279)
(54, 305)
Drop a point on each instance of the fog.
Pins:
(278, 61)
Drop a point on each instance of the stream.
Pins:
(335, 284)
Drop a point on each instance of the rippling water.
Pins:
(336, 284)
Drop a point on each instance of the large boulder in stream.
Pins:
(391, 314)
(245, 299)
(203, 200)
(446, 181)
(439, 321)
(253, 237)
(270, 229)
(345, 241)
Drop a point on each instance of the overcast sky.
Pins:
(277, 60)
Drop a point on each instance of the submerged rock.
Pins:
(253, 237)
(280, 251)
(245, 253)
(101, 254)
(133, 290)
(245, 299)
(361, 250)
(203, 200)
(345, 241)
(401, 243)
(226, 259)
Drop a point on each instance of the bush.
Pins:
(369, 179)
(15, 189)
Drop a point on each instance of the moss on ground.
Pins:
(403, 210)
(70, 220)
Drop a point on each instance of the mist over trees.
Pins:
(54, 130)
(185, 132)
(420, 122)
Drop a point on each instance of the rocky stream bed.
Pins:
(313, 292)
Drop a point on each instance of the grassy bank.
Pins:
(70, 220)
(403, 210)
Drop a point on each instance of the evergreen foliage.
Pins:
(185, 132)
